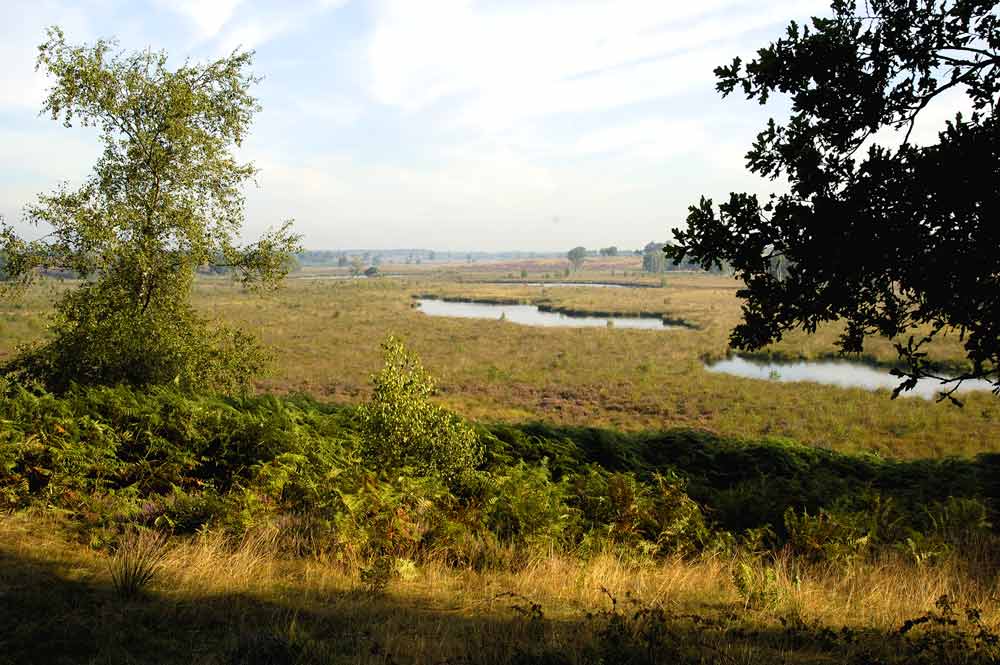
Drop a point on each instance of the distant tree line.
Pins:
(653, 258)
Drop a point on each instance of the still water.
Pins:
(529, 315)
(836, 373)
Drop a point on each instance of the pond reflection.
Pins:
(835, 373)
(530, 315)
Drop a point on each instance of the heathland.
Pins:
(627, 505)
(325, 334)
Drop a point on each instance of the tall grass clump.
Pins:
(135, 561)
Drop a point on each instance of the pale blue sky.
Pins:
(444, 124)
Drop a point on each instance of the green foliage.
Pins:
(953, 525)
(959, 522)
(401, 427)
(756, 583)
(524, 505)
(114, 457)
(165, 198)
(658, 515)
(99, 340)
(169, 451)
(576, 256)
(824, 537)
(856, 237)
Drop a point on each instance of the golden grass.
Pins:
(326, 335)
(881, 593)
(219, 591)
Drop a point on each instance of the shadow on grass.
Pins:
(52, 612)
(748, 484)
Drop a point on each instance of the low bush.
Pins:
(359, 485)
(400, 426)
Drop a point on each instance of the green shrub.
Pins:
(183, 512)
(524, 505)
(959, 522)
(756, 583)
(824, 537)
(400, 426)
(656, 516)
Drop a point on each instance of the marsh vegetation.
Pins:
(390, 461)
(741, 518)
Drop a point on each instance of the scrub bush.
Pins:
(400, 426)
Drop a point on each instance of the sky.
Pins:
(440, 124)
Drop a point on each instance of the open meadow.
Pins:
(796, 522)
(264, 580)
(326, 335)
(325, 332)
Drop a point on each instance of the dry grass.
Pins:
(136, 560)
(327, 332)
(214, 596)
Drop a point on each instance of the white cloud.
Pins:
(333, 109)
(491, 81)
(649, 138)
(265, 21)
(24, 24)
(207, 16)
(541, 58)
(499, 108)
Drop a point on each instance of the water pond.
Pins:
(840, 373)
(530, 315)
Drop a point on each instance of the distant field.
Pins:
(326, 334)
